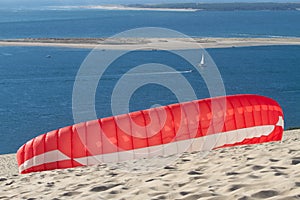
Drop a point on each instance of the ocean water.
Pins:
(36, 91)
(105, 23)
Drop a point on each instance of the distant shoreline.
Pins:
(120, 7)
(187, 7)
(149, 43)
(228, 6)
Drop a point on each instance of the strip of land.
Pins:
(188, 7)
(149, 43)
(263, 171)
(122, 7)
(234, 6)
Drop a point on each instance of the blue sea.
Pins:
(105, 23)
(36, 90)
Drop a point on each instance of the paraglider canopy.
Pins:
(189, 126)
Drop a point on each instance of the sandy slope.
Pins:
(150, 43)
(249, 172)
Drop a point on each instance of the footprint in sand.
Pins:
(296, 161)
(265, 194)
(102, 188)
(50, 184)
(235, 187)
(164, 174)
(194, 197)
(278, 167)
(161, 197)
(257, 167)
(194, 173)
(183, 193)
(114, 192)
(244, 198)
(279, 173)
(149, 180)
(254, 176)
(170, 167)
(68, 194)
(232, 173)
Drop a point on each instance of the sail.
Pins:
(202, 60)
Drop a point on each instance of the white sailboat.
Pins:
(202, 62)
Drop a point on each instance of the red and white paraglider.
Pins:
(189, 126)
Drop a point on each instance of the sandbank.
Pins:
(149, 43)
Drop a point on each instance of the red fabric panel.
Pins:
(256, 111)
(191, 112)
(230, 123)
(39, 145)
(21, 155)
(39, 148)
(124, 135)
(273, 116)
(137, 118)
(79, 141)
(29, 149)
(264, 111)
(238, 113)
(51, 145)
(180, 124)
(147, 117)
(109, 140)
(94, 146)
(168, 131)
(248, 111)
(64, 145)
(155, 136)
(218, 109)
(138, 130)
(51, 141)
(205, 117)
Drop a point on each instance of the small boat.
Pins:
(202, 62)
(48, 56)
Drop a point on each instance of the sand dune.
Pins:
(266, 171)
(150, 43)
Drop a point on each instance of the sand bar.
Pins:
(264, 171)
(150, 43)
(120, 7)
